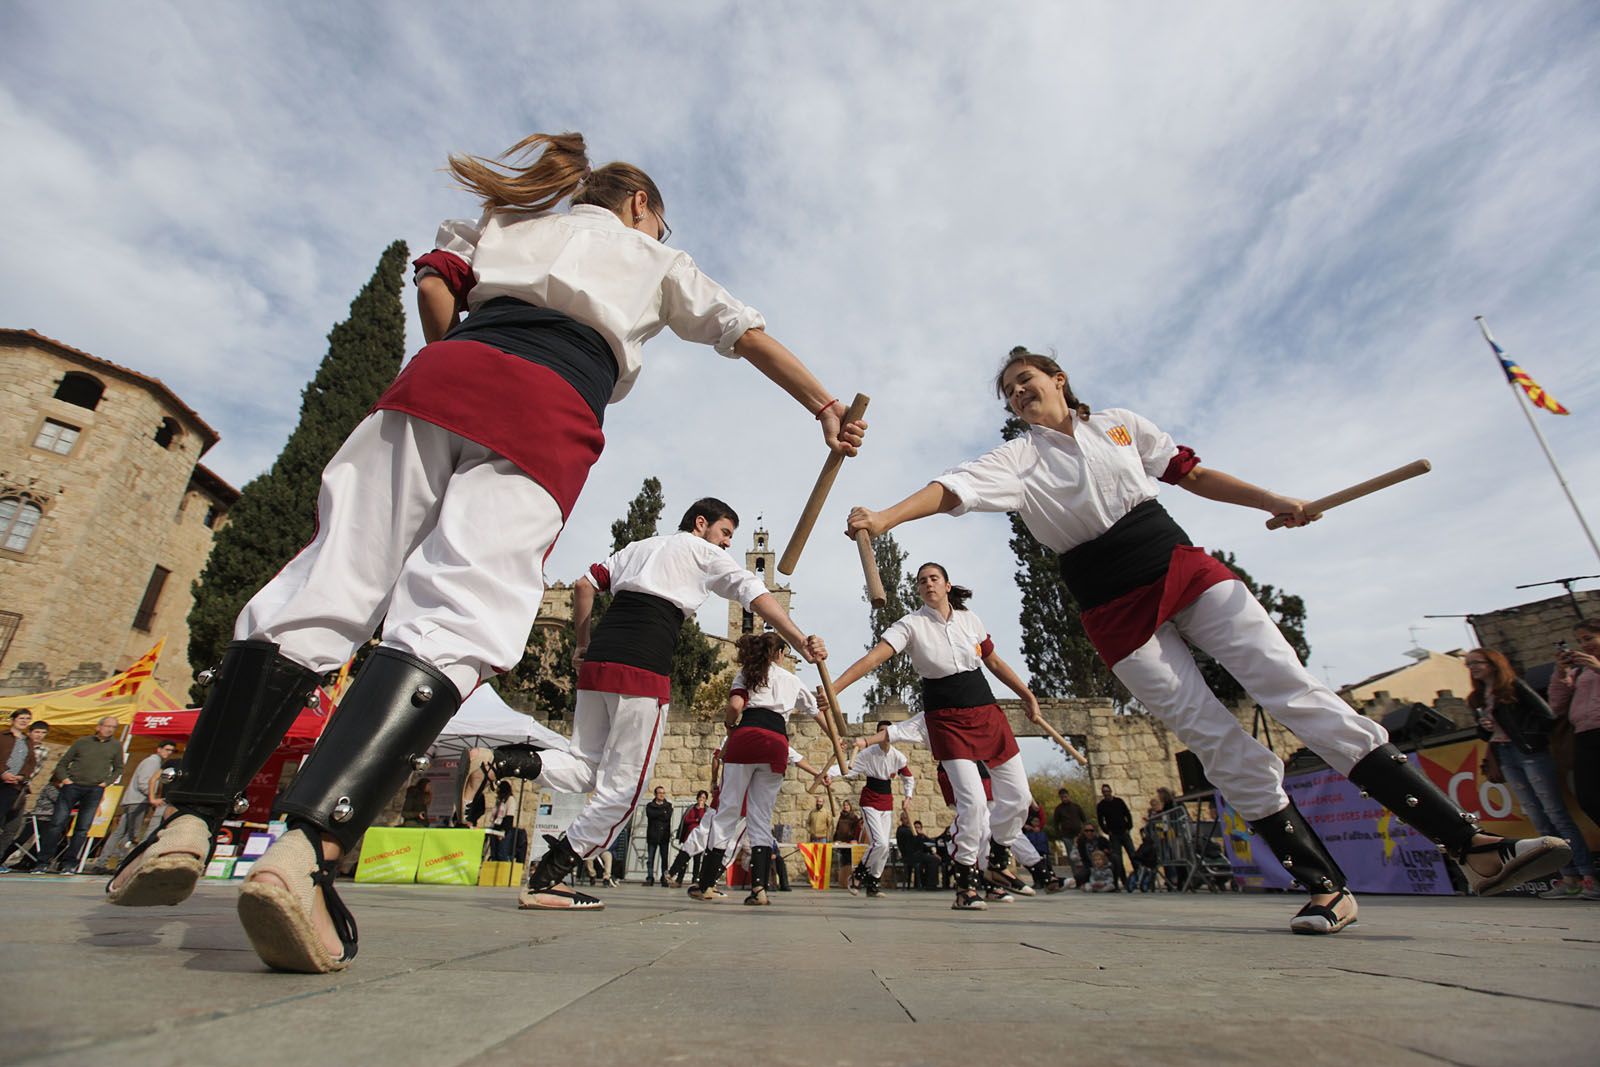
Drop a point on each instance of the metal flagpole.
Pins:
(1522, 404)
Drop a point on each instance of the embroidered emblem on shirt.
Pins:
(1120, 435)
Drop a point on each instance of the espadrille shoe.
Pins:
(279, 918)
(1521, 860)
(164, 867)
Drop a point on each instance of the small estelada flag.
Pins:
(1120, 435)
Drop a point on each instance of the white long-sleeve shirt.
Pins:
(585, 263)
(1070, 489)
(679, 567)
(876, 762)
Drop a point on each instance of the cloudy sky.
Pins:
(1266, 227)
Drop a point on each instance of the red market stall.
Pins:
(178, 725)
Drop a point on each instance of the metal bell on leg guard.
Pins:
(392, 712)
(1393, 781)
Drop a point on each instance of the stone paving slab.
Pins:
(459, 976)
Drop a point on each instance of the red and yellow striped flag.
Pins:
(1521, 378)
(129, 682)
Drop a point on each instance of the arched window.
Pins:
(18, 519)
(168, 432)
(81, 389)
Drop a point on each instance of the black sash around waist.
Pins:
(878, 785)
(764, 719)
(639, 630)
(549, 338)
(1134, 553)
(966, 689)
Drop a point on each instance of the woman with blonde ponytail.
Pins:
(435, 518)
(1085, 485)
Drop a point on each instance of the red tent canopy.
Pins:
(180, 724)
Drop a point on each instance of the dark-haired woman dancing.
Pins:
(1085, 484)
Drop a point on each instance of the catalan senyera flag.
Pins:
(1519, 377)
(129, 682)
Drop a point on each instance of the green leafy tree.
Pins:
(897, 679)
(1286, 609)
(1061, 660)
(275, 515)
(643, 517)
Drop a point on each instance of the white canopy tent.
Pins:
(485, 721)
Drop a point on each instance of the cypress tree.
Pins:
(897, 679)
(276, 512)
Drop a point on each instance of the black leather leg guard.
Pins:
(1045, 877)
(760, 867)
(999, 856)
(680, 866)
(1387, 776)
(1300, 850)
(554, 867)
(254, 698)
(711, 868)
(968, 897)
(392, 712)
(517, 761)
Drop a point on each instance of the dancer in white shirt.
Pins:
(434, 520)
(754, 758)
(880, 765)
(624, 683)
(1085, 485)
(960, 722)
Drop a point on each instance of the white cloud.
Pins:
(1266, 229)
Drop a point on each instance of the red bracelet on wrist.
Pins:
(825, 407)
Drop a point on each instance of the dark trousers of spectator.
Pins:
(780, 871)
(1121, 841)
(84, 798)
(944, 872)
(653, 849)
(841, 863)
(15, 830)
(922, 872)
(1586, 772)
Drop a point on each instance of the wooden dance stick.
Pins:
(1356, 492)
(833, 709)
(813, 508)
(1064, 743)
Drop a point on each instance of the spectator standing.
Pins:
(1116, 822)
(85, 769)
(17, 762)
(13, 818)
(418, 799)
(691, 818)
(1144, 864)
(504, 819)
(1066, 821)
(819, 824)
(941, 849)
(133, 810)
(916, 855)
(846, 832)
(1575, 693)
(1517, 722)
(657, 835)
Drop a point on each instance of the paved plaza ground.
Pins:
(459, 976)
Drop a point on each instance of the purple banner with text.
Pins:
(1378, 852)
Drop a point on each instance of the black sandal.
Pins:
(1323, 918)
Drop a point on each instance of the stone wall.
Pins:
(115, 506)
(1528, 633)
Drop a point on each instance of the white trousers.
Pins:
(440, 539)
(880, 834)
(977, 818)
(615, 742)
(1230, 626)
(1026, 855)
(753, 788)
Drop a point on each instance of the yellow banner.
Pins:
(390, 855)
(450, 857)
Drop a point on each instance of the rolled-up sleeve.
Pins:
(992, 482)
(898, 635)
(1157, 451)
(698, 309)
(913, 730)
(730, 581)
(451, 258)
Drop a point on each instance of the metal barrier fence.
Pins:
(1188, 851)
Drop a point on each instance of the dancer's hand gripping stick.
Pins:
(813, 508)
(1355, 492)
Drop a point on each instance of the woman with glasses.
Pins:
(435, 517)
(1085, 484)
(1516, 722)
